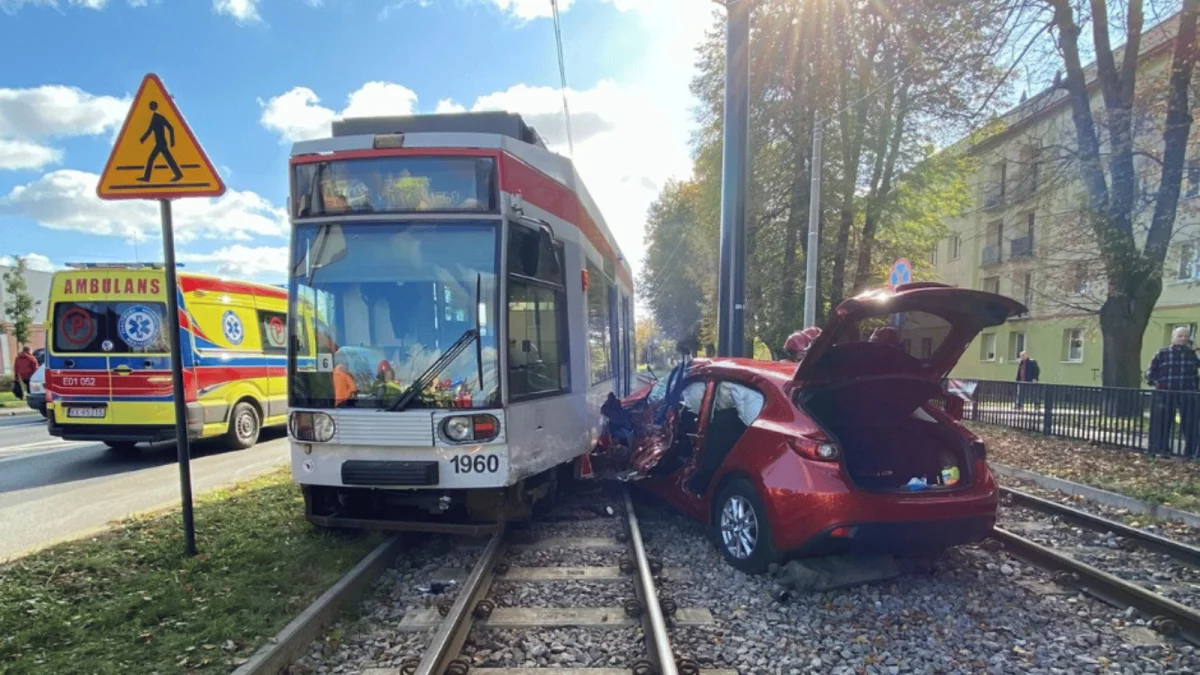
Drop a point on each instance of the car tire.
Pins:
(123, 448)
(244, 427)
(741, 529)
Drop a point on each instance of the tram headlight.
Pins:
(458, 429)
(316, 427)
(466, 428)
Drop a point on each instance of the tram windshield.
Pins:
(379, 306)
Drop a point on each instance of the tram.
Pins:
(459, 312)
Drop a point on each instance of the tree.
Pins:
(884, 87)
(1105, 146)
(19, 303)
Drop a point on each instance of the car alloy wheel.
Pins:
(739, 527)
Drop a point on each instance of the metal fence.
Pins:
(1160, 422)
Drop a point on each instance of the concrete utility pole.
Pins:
(814, 235)
(731, 308)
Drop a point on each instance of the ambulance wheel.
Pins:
(244, 427)
(123, 448)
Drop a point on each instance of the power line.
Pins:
(562, 76)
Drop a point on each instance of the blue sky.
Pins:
(251, 76)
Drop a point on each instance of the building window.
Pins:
(1193, 178)
(1189, 262)
(933, 255)
(1072, 345)
(987, 347)
(991, 285)
(1027, 291)
(599, 331)
(955, 247)
(1016, 345)
(1079, 279)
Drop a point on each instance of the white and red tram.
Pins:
(460, 311)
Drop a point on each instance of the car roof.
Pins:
(778, 373)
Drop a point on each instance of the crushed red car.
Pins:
(850, 451)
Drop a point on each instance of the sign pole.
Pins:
(181, 435)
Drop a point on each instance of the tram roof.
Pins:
(484, 130)
(501, 123)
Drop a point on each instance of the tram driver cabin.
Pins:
(460, 311)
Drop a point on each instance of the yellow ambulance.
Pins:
(108, 368)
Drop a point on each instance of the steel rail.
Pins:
(447, 643)
(1105, 586)
(658, 643)
(1176, 549)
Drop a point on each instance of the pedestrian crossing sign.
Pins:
(156, 156)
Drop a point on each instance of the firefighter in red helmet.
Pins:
(798, 343)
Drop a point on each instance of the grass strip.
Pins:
(1170, 482)
(129, 600)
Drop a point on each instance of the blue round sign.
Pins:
(139, 326)
(901, 273)
(231, 326)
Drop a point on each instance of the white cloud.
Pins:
(297, 115)
(242, 261)
(16, 155)
(34, 261)
(447, 106)
(57, 110)
(66, 200)
(11, 6)
(530, 9)
(243, 11)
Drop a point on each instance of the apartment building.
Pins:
(1026, 236)
(38, 285)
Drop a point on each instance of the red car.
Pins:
(846, 452)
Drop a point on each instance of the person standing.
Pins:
(1027, 371)
(1175, 375)
(25, 366)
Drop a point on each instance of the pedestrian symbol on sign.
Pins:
(155, 155)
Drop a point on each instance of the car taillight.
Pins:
(979, 450)
(819, 450)
(473, 428)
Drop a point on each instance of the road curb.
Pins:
(1098, 496)
(281, 650)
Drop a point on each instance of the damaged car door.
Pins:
(662, 454)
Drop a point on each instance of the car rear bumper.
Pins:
(904, 538)
(37, 402)
(128, 433)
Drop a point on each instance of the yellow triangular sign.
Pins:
(156, 156)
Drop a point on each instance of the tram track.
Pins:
(1118, 564)
(504, 592)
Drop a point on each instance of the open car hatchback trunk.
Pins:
(887, 438)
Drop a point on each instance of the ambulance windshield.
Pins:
(375, 304)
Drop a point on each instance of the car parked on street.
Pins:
(852, 450)
(36, 396)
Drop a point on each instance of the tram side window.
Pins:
(599, 326)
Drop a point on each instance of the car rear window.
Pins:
(918, 334)
(110, 328)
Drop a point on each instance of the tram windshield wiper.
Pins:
(426, 378)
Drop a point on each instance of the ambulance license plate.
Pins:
(89, 412)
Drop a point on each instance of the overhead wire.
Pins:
(562, 76)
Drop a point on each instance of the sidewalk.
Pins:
(1170, 482)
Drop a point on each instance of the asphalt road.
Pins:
(53, 490)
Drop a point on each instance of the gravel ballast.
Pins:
(978, 612)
